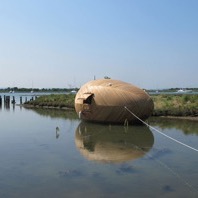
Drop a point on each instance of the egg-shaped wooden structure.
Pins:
(105, 101)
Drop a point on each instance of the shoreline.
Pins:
(183, 107)
(191, 118)
(28, 106)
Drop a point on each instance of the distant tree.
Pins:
(107, 77)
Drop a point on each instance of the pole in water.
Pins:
(21, 100)
(0, 102)
(126, 123)
(13, 100)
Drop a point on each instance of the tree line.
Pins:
(16, 89)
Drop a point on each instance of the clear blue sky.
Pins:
(62, 43)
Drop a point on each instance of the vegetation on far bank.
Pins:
(27, 90)
(164, 105)
(18, 89)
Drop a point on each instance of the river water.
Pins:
(51, 153)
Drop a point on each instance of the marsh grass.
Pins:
(175, 105)
(54, 100)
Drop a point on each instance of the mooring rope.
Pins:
(160, 131)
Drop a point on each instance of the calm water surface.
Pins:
(51, 153)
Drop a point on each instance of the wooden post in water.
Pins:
(7, 102)
(13, 100)
(0, 102)
(21, 100)
(7, 99)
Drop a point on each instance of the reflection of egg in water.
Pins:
(112, 145)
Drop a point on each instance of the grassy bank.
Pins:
(165, 105)
(53, 101)
(175, 105)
